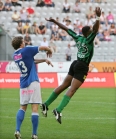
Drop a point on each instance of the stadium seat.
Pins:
(59, 43)
(14, 24)
(2, 20)
(8, 26)
(32, 36)
(58, 49)
(25, 4)
(40, 37)
(51, 10)
(68, 38)
(44, 14)
(109, 58)
(48, 32)
(97, 51)
(47, 37)
(58, 4)
(39, 56)
(111, 51)
(65, 43)
(13, 31)
(4, 13)
(37, 42)
(57, 10)
(32, 3)
(73, 57)
(18, 8)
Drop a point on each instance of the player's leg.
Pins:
(35, 120)
(66, 83)
(75, 84)
(70, 92)
(21, 112)
(35, 100)
(80, 72)
(38, 30)
(19, 119)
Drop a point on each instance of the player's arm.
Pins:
(37, 61)
(69, 31)
(47, 49)
(97, 23)
(57, 23)
(95, 28)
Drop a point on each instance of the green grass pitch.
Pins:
(91, 114)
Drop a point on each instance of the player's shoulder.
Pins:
(92, 34)
(17, 51)
(79, 36)
(28, 46)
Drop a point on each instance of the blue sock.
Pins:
(19, 119)
(35, 121)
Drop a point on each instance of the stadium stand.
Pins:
(104, 51)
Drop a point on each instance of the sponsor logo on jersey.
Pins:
(17, 57)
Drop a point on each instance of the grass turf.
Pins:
(91, 114)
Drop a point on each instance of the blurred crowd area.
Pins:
(27, 18)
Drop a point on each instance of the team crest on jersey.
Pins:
(84, 77)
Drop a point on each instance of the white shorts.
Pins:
(31, 94)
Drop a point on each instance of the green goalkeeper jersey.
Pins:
(85, 46)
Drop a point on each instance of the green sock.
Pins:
(51, 98)
(63, 103)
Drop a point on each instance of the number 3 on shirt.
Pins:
(22, 67)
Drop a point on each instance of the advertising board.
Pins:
(52, 80)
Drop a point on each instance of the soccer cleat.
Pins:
(44, 109)
(57, 115)
(17, 135)
(34, 137)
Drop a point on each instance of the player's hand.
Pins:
(48, 62)
(98, 11)
(49, 53)
(50, 19)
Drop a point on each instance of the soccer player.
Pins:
(78, 69)
(29, 83)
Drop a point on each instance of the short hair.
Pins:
(16, 42)
(85, 30)
(68, 20)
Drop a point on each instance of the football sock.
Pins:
(19, 119)
(51, 98)
(35, 121)
(63, 103)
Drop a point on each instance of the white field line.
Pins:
(75, 118)
(72, 101)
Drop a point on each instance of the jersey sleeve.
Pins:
(32, 50)
(91, 38)
(73, 34)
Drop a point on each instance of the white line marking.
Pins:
(97, 118)
(85, 102)
(72, 101)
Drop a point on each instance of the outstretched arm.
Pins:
(47, 49)
(57, 23)
(97, 23)
(43, 60)
(37, 61)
